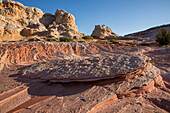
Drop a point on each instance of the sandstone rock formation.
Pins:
(63, 17)
(103, 32)
(71, 77)
(18, 22)
(149, 33)
(101, 78)
(88, 69)
(64, 25)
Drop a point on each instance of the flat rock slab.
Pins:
(88, 68)
(89, 97)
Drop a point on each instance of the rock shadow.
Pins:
(43, 88)
(47, 19)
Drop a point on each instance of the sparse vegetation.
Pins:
(144, 44)
(163, 38)
(122, 50)
(102, 41)
(65, 39)
(130, 43)
(87, 37)
(81, 41)
(113, 41)
(50, 39)
(153, 63)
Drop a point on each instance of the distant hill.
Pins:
(149, 33)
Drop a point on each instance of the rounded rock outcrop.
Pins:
(102, 32)
(28, 22)
(63, 17)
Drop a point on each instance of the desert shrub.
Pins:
(153, 63)
(50, 39)
(33, 39)
(81, 41)
(163, 38)
(65, 39)
(116, 38)
(130, 43)
(102, 41)
(113, 41)
(74, 37)
(144, 44)
(87, 37)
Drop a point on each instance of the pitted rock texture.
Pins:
(15, 17)
(92, 68)
(26, 53)
(63, 17)
(136, 86)
(19, 22)
(64, 25)
(103, 32)
(95, 96)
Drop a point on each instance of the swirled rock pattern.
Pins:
(83, 77)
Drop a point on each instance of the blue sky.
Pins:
(122, 16)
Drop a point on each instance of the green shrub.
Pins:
(130, 43)
(87, 37)
(113, 41)
(163, 38)
(81, 41)
(65, 39)
(102, 41)
(49, 39)
(153, 63)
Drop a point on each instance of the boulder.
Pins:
(102, 32)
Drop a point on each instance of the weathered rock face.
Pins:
(15, 17)
(149, 33)
(63, 17)
(88, 69)
(103, 32)
(99, 75)
(18, 22)
(47, 19)
(64, 24)
(71, 61)
(31, 52)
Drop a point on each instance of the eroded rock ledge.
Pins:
(88, 68)
(85, 77)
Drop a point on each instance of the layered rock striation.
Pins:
(18, 22)
(67, 62)
(87, 77)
